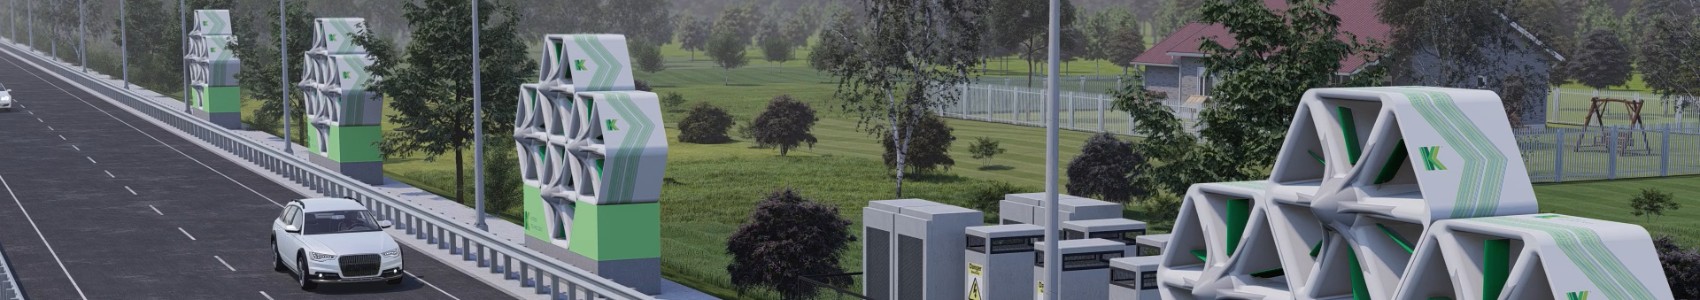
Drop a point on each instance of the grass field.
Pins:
(715, 186)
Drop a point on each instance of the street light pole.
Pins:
(183, 38)
(477, 124)
(82, 33)
(124, 41)
(1053, 259)
(283, 83)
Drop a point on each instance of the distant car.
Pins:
(333, 240)
(5, 98)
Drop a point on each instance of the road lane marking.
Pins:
(186, 233)
(50, 128)
(109, 174)
(39, 120)
(32, 113)
(226, 265)
(44, 238)
(155, 209)
(150, 136)
(433, 286)
(268, 297)
(91, 159)
(62, 137)
(132, 192)
(75, 147)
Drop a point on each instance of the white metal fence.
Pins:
(1570, 107)
(1081, 111)
(526, 267)
(1557, 155)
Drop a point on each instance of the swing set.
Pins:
(1624, 141)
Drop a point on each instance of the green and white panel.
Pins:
(1218, 221)
(1539, 256)
(332, 36)
(585, 63)
(212, 22)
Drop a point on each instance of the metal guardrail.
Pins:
(534, 269)
(9, 289)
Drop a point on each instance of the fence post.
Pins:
(1558, 157)
(1014, 104)
(1100, 103)
(962, 103)
(1071, 98)
(1611, 154)
(1664, 151)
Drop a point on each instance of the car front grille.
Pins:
(359, 265)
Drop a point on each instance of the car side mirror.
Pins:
(291, 229)
(384, 223)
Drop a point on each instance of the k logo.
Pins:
(1431, 158)
(579, 64)
(611, 125)
(332, 37)
(1577, 295)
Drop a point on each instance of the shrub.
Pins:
(785, 124)
(985, 198)
(929, 146)
(705, 124)
(1102, 170)
(784, 238)
(672, 100)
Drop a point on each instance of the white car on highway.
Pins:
(5, 98)
(334, 240)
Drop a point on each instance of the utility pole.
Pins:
(124, 41)
(183, 39)
(283, 82)
(477, 124)
(82, 33)
(1053, 259)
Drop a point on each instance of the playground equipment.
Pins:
(1620, 142)
(344, 116)
(1398, 193)
(213, 90)
(591, 151)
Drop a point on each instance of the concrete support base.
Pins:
(368, 172)
(639, 273)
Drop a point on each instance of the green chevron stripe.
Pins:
(596, 78)
(1585, 249)
(1495, 164)
(342, 28)
(626, 161)
(1463, 201)
(212, 19)
(613, 67)
(1478, 191)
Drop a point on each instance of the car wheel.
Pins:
(306, 285)
(277, 259)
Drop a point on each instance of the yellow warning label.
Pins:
(974, 290)
(974, 269)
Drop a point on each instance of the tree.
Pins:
(1555, 23)
(984, 148)
(1604, 61)
(1125, 44)
(1021, 25)
(694, 36)
(1161, 210)
(1682, 267)
(775, 45)
(1669, 51)
(785, 123)
(797, 30)
(905, 58)
(1175, 13)
(705, 124)
(785, 238)
(728, 51)
(427, 83)
(259, 73)
(1459, 43)
(672, 100)
(647, 57)
(834, 51)
(155, 45)
(985, 198)
(1652, 202)
(503, 188)
(649, 21)
(1113, 35)
(929, 147)
(1102, 170)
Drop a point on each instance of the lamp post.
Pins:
(283, 82)
(183, 37)
(477, 125)
(1053, 259)
(124, 41)
(82, 32)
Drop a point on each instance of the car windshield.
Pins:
(344, 221)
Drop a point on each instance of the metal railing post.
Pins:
(1558, 157)
(1611, 154)
(1664, 151)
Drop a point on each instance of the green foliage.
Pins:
(985, 197)
(647, 57)
(928, 147)
(1175, 13)
(259, 75)
(1652, 202)
(503, 190)
(785, 238)
(1115, 37)
(984, 148)
(1462, 36)
(1161, 209)
(785, 124)
(694, 34)
(672, 100)
(1682, 267)
(1102, 170)
(705, 124)
(775, 45)
(833, 50)
(155, 45)
(1022, 26)
(427, 85)
(1668, 48)
(728, 50)
(1604, 61)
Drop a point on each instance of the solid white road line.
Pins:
(44, 239)
(226, 265)
(132, 192)
(433, 286)
(150, 136)
(268, 296)
(75, 147)
(155, 209)
(109, 174)
(91, 159)
(186, 233)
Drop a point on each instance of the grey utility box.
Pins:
(999, 258)
(1134, 278)
(1114, 229)
(1085, 268)
(1029, 208)
(879, 245)
(1152, 244)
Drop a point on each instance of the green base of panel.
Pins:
(615, 232)
(536, 213)
(355, 144)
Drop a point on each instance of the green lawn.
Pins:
(1609, 200)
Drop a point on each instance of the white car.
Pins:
(334, 240)
(5, 98)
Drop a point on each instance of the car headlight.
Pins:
(315, 256)
(393, 253)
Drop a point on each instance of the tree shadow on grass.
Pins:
(934, 177)
(996, 168)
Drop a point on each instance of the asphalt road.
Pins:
(99, 204)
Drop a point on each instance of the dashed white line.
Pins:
(75, 147)
(433, 286)
(226, 265)
(186, 233)
(268, 296)
(62, 137)
(39, 120)
(132, 192)
(155, 209)
(50, 128)
(44, 239)
(91, 159)
(109, 174)
(32, 113)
